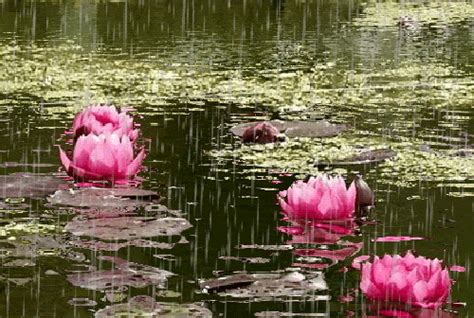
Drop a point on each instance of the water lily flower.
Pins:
(104, 119)
(406, 279)
(365, 198)
(104, 157)
(320, 198)
(262, 133)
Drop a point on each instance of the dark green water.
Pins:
(192, 69)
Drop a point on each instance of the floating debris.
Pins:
(82, 302)
(251, 260)
(165, 257)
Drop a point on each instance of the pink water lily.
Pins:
(104, 119)
(320, 198)
(262, 133)
(407, 279)
(104, 157)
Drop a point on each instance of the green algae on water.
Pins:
(432, 13)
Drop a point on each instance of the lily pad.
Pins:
(146, 306)
(227, 282)
(30, 185)
(127, 228)
(115, 246)
(312, 129)
(267, 286)
(103, 197)
(364, 157)
(124, 274)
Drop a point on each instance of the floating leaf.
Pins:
(266, 286)
(102, 197)
(145, 306)
(315, 129)
(125, 274)
(127, 228)
(363, 157)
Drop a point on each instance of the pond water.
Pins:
(400, 75)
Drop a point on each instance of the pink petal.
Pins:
(136, 164)
(397, 238)
(66, 162)
(457, 268)
(357, 262)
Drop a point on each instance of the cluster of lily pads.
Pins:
(321, 212)
(111, 213)
(107, 220)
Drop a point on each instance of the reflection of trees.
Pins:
(368, 45)
(78, 21)
(189, 31)
(30, 20)
(39, 21)
(214, 31)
